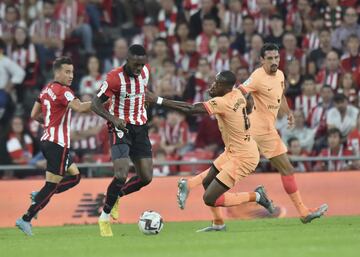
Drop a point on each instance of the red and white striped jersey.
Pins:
(54, 99)
(127, 94)
(23, 55)
(306, 103)
(48, 28)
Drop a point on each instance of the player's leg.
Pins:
(120, 156)
(57, 161)
(70, 180)
(285, 168)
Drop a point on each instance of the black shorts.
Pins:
(134, 144)
(57, 157)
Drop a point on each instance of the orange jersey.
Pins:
(267, 91)
(231, 115)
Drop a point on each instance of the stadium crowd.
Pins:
(187, 42)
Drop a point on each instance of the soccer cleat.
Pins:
(105, 228)
(24, 226)
(213, 228)
(32, 198)
(182, 193)
(115, 210)
(315, 214)
(264, 200)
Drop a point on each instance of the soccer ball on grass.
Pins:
(150, 223)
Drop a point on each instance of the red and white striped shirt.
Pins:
(220, 62)
(48, 28)
(54, 99)
(176, 134)
(330, 78)
(306, 103)
(23, 55)
(127, 94)
(18, 149)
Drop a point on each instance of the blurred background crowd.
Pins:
(187, 42)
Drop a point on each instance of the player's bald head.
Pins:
(228, 78)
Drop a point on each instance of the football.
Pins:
(150, 223)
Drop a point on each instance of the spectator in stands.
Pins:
(8, 25)
(206, 42)
(31, 10)
(167, 18)
(73, 14)
(170, 85)
(291, 51)
(11, 74)
(295, 150)
(262, 17)
(294, 81)
(48, 35)
(311, 40)
(181, 37)
(220, 58)
(85, 133)
(317, 57)
(353, 139)
(161, 170)
(342, 116)
(301, 131)
(147, 35)
(232, 18)
(242, 74)
(91, 82)
(253, 56)
(351, 60)
(276, 30)
(332, 13)
(308, 98)
(197, 85)
(317, 117)
(296, 16)
(348, 27)
(207, 9)
(188, 61)
(23, 52)
(208, 136)
(19, 145)
(175, 134)
(161, 52)
(331, 73)
(335, 149)
(348, 87)
(119, 55)
(242, 42)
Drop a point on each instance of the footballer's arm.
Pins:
(36, 113)
(79, 106)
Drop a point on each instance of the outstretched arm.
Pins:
(184, 107)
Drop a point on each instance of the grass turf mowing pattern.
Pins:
(333, 236)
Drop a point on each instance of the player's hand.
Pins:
(291, 120)
(150, 97)
(120, 124)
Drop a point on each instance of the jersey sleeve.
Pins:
(215, 105)
(109, 86)
(66, 96)
(249, 85)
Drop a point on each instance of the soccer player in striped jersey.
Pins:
(53, 108)
(124, 89)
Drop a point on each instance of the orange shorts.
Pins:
(233, 167)
(270, 144)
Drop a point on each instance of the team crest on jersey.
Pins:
(247, 82)
(120, 133)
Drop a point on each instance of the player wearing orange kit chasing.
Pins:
(266, 85)
(241, 155)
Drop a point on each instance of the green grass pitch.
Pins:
(333, 236)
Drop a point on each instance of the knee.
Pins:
(208, 200)
(120, 175)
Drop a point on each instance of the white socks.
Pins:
(104, 216)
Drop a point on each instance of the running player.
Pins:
(53, 109)
(266, 85)
(125, 88)
(241, 154)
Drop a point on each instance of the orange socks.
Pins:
(232, 199)
(197, 180)
(297, 201)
